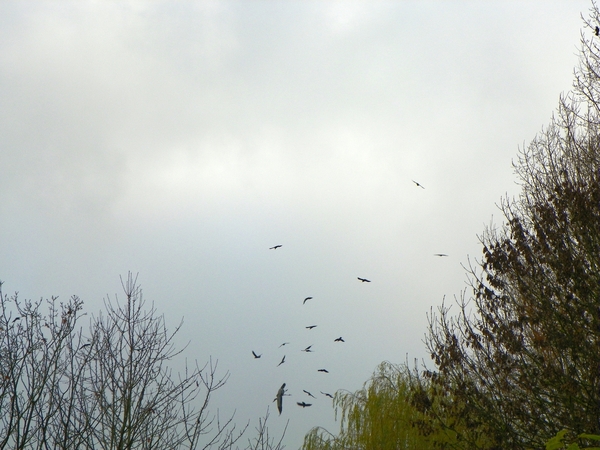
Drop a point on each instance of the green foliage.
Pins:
(390, 412)
(558, 441)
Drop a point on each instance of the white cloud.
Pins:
(183, 139)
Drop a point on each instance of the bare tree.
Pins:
(111, 389)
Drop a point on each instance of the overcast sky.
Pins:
(181, 140)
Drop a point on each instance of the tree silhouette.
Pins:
(111, 388)
(521, 357)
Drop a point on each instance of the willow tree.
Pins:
(390, 412)
(522, 357)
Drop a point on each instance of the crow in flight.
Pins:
(364, 280)
(255, 355)
(285, 343)
(279, 398)
(326, 394)
(311, 327)
(282, 361)
(440, 254)
(84, 345)
(418, 184)
(307, 349)
(307, 298)
(274, 247)
(306, 392)
(16, 318)
(304, 405)
(339, 340)
(597, 31)
(323, 370)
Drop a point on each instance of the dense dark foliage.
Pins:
(519, 361)
(522, 357)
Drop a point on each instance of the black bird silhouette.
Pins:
(307, 298)
(326, 394)
(16, 318)
(311, 327)
(304, 405)
(418, 184)
(84, 345)
(307, 349)
(255, 355)
(323, 370)
(306, 392)
(279, 398)
(339, 340)
(597, 31)
(364, 280)
(274, 247)
(440, 254)
(285, 343)
(282, 361)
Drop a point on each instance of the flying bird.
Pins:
(440, 254)
(255, 355)
(279, 398)
(311, 327)
(282, 361)
(84, 346)
(274, 247)
(307, 298)
(323, 370)
(304, 405)
(285, 343)
(364, 280)
(306, 392)
(326, 394)
(597, 31)
(418, 184)
(307, 349)
(16, 318)
(339, 340)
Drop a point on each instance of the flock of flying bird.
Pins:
(282, 390)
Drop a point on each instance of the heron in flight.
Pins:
(308, 393)
(304, 405)
(279, 398)
(418, 184)
(275, 247)
(311, 327)
(255, 355)
(282, 361)
(307, 298)
(364, 280)
(339, 340)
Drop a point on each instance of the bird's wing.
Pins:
(279, 397)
